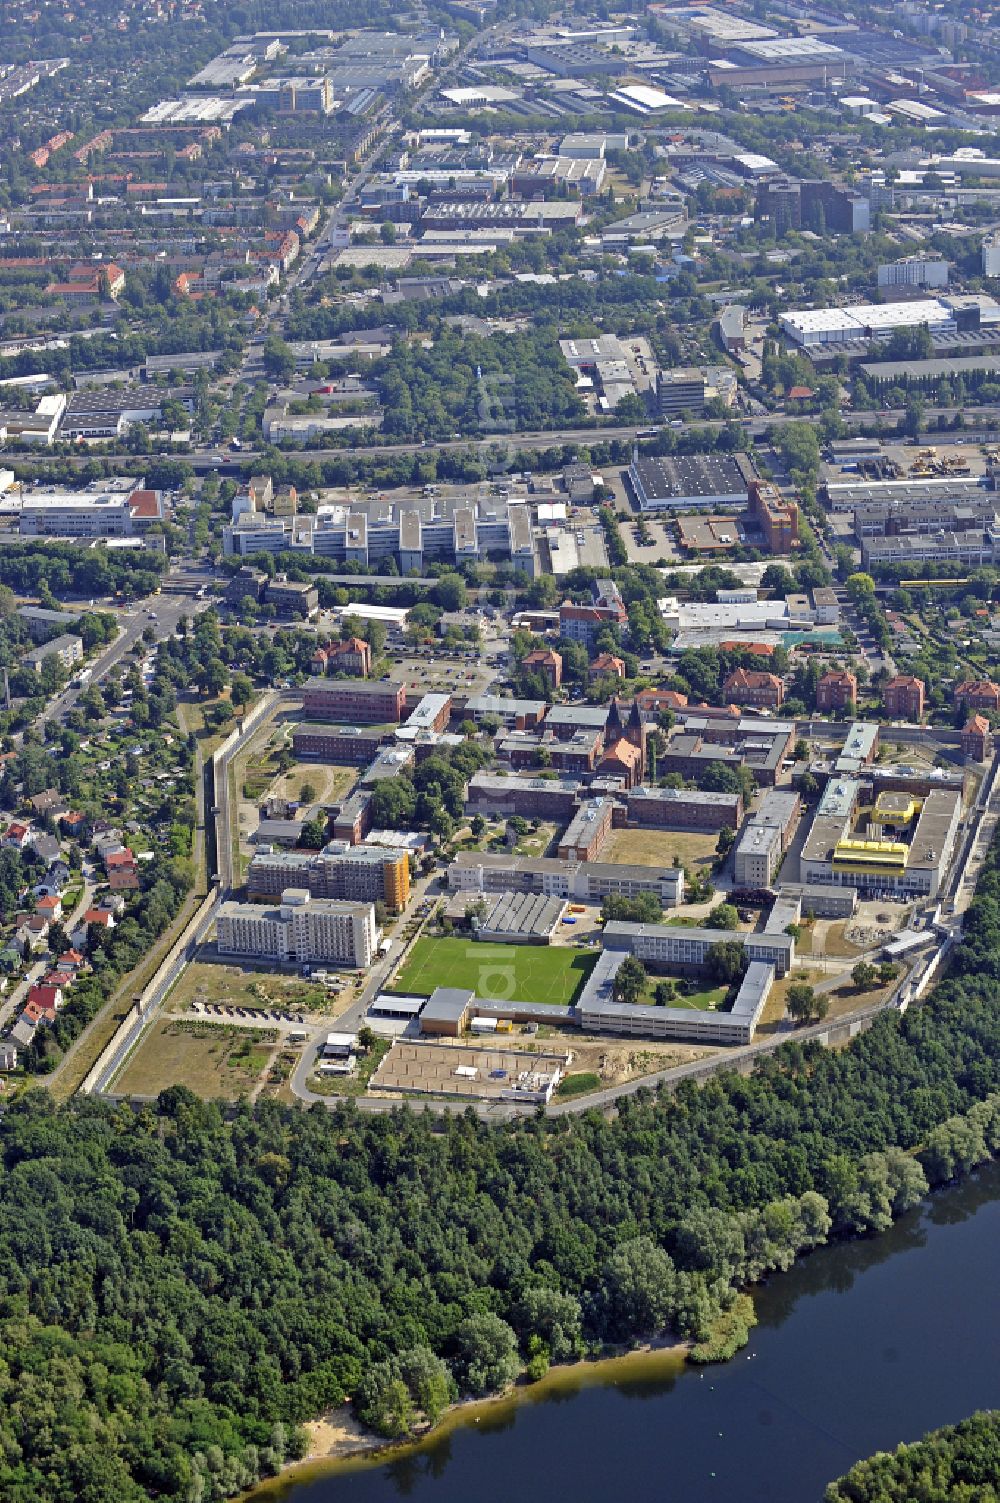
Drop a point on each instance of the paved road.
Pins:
(353, 1017)
(160, 612)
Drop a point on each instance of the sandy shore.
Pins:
(336, 1435)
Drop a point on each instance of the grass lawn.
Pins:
(699, 998)
(578, 1084)
(329, 781)
(522, 973)
(659, 847)
(537, 842)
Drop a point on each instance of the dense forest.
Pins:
(184, 1288)
(958, 1464)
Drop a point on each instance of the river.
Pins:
(860, 1346)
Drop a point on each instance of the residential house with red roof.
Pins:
(547, 662)
(607, 665)
(50, 907)
(122, 870)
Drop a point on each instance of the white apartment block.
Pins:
(303, 930)
(914, 271)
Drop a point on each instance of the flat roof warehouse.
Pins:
(675, 482)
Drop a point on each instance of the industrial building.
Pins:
(864, 321)
(303, 930)
(684, 482)
(509, 918)
(895, 843)
(116, 509)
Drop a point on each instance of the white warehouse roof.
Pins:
(832, 325)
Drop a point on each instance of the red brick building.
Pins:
(547, 662)
(353, 656)
(356, 703)
(775, 515)
(606, 665)
(654, 701)
(904, 697)
(350, 744)
(977, 739)
(978, 694)
(836, 690)
(748, 686)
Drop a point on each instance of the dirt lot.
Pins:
(894, 753)
(614, 1060)
(659, 847)
(236, 986)
(211, 1061)
(826, 937)
(418, 1068)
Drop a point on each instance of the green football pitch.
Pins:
(508, 973)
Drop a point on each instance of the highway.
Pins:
(234, 463)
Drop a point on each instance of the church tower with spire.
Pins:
(636, 733)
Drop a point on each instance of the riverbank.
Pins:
(863, 1344)
(340, 1443)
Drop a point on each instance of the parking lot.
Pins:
(247, 1017)
(426, 671)
(662, 542)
